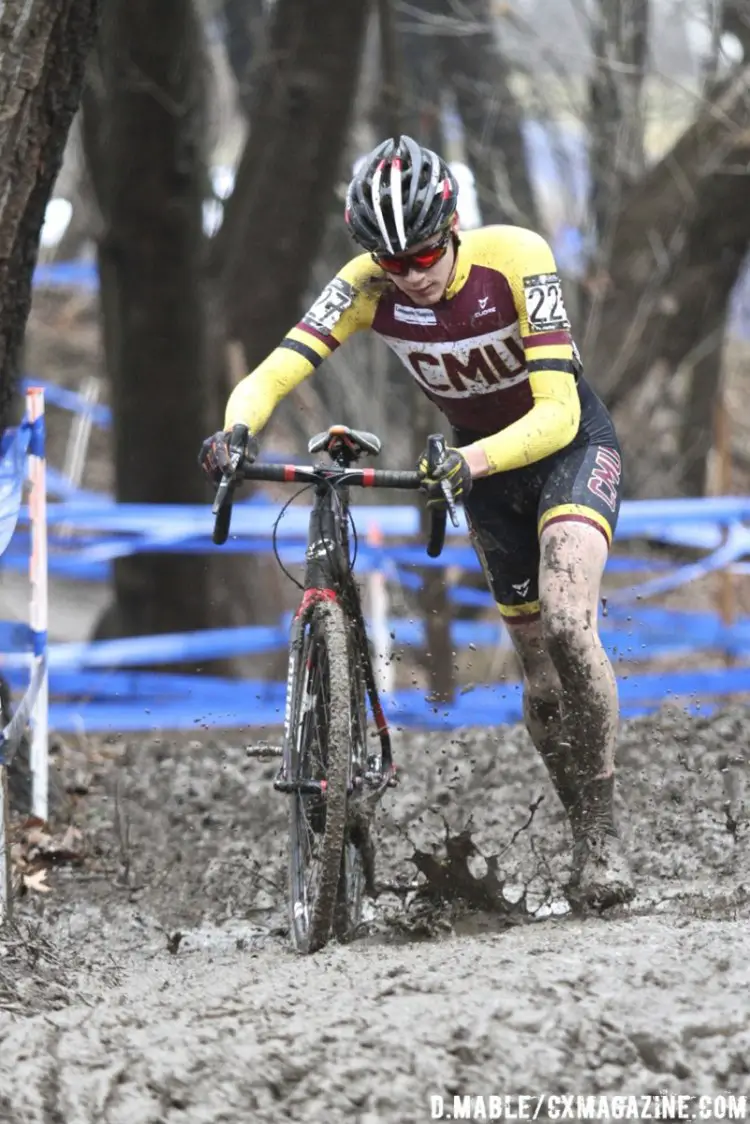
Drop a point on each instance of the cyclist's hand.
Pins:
(214, 456)
(454, 468)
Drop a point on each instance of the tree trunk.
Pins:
(477, 70)
(300, 111)
(696, 432)
(616, 126)
(391, 106)
(43, 50)
(260, 261)
(412, 70)
(149, 176)
(245, 40)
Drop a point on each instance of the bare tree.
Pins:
(164, 312)
(704, 368)
(299, 113)
(615, 125)
(144, 122)
(477, 70)
(43, 50)
(246, 32)
(678, 245)
(412, 73)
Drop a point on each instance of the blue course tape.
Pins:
(482, 706)
(625, 639)
(70, 563)
(641, 519)
(15, 443)
(11, 736)
(18, 436)
(81, 274)
(65, 399)
(38, 432)
(142, 686)
(15, 637)
(58, 486)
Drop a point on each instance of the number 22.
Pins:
(543, 295)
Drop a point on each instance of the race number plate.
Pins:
(544, 303)
(330, 306)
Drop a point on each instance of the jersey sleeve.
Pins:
(344, 307)
(528, 263)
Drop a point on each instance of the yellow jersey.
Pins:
(495, 354)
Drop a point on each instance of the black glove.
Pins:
(214, 454)
(454, 468)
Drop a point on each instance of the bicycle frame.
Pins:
(328, 573)
(329, 576)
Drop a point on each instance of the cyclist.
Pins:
(478, 319)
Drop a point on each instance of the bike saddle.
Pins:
(356, 439)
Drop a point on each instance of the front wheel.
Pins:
(319, 733)
(358, 849)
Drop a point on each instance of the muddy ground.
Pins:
(155, 984)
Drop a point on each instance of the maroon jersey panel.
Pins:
(465, 352)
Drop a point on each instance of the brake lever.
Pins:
(228, 481)
(436, 450)
(223, 491)
(222, 506)
(447, 491)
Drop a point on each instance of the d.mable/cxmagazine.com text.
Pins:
(551, 1106)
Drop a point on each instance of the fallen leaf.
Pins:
(36, 837)
(36, 882)
(32, 821)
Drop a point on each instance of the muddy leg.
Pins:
(542, 712)
(573, 556)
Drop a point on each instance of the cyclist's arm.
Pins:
(553, 420)
(340, 310)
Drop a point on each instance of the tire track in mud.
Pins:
(234, 1026)
(50, 1085)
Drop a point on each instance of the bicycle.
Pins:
(333, 782)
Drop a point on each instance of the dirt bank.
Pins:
(158, 984)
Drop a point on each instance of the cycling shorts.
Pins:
(508, 511)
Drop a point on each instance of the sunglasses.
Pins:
(422, 260)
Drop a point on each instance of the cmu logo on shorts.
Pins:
(605, 476)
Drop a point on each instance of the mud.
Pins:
(155, 983)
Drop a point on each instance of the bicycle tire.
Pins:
(348, 911)
(320, 728)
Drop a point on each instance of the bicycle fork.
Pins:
(378, 775)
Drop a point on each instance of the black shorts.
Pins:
(508, 511)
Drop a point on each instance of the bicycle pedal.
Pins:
(305, 787)
(262, 751)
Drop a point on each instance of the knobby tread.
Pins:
(328, 626)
